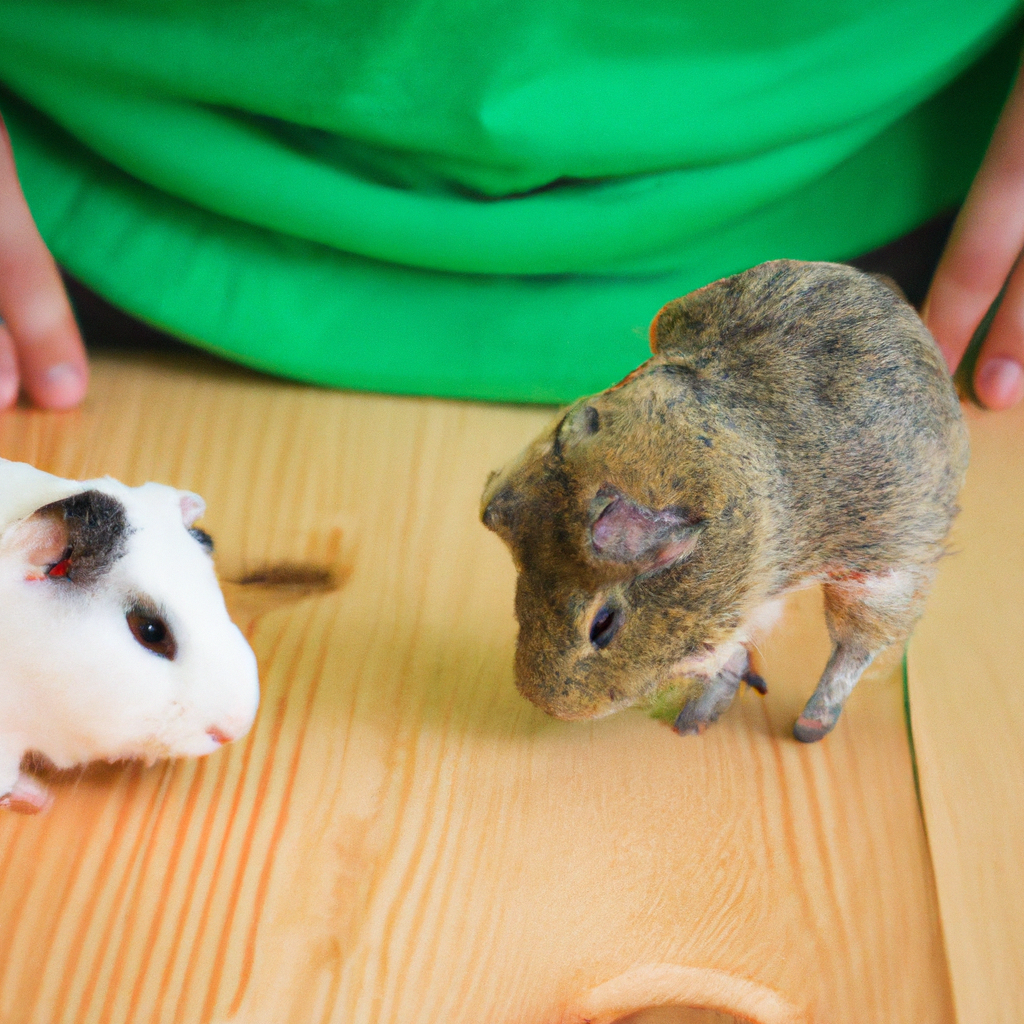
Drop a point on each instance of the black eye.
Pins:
(152, 632)
(605, 625)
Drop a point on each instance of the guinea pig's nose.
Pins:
(219, 736)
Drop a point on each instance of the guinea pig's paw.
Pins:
(810, 730)
(27, 796)
(696, 717)
(718, 694)
(688, 724)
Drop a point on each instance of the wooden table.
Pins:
(402, 838)
(967, 708)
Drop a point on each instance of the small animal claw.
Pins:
(755, 681)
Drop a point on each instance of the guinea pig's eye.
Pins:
(605, 625)
(152, 632)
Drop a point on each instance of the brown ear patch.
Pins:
(94, 529)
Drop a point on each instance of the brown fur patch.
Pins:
(800, 412)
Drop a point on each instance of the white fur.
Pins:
(892, 589)
(757, 624)
(75, 684)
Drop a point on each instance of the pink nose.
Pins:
(218, 736)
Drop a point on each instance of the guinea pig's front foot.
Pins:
(19, 791)
(27, 795)
(716, 696)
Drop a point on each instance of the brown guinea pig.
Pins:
(795, 425)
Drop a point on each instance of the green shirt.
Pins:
(487, 199)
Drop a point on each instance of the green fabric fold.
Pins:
(498, 221)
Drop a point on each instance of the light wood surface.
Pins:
(966, 674)
(402, 838)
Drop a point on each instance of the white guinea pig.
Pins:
(114, 638)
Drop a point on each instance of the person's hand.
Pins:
(983, 254)
(41, 349)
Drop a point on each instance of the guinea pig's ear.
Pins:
(192, 508)
(76, 539)
(40, 541)
(621, 530)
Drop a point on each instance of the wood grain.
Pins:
(401, 838)
(967, 703)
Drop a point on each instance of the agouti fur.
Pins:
(795, 425)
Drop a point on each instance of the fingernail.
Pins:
(63, 385)
(8, 390)
(61, 373)
(1000, 382)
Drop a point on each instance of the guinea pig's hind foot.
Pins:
(817, 719)
(27, 796)
(810, 730)
(822, 711)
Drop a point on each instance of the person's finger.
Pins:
(9, 380)
(50, 355)
(999, 374)
(987, 238)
